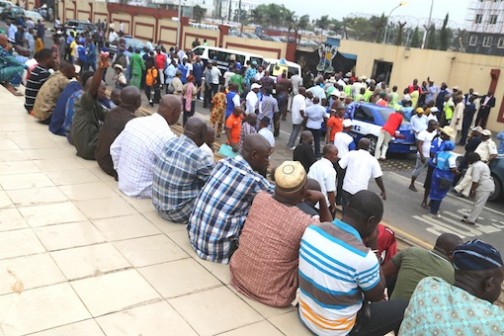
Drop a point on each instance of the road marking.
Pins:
(408, 236)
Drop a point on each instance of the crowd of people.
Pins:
(277, 227)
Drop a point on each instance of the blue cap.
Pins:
(476, 255)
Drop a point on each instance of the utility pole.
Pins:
(428, 25)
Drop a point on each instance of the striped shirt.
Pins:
(222, 206)
(181, 172)
(334, 268)
(37, 78)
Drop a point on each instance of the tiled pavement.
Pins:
(79, 258)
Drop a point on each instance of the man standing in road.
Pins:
(361, 166)
(487, 103)
(386, 133)
(418, 122)
(252, 98)
(324, 173)
(297, 111)
(303, 152)
(423, 143)
(345, 143)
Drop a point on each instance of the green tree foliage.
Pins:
(444, 38)
(432, 38)
(271, 15)
(399, 38)
(416, 40)
(303, 22)
(199, 13)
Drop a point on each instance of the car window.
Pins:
(363, 114)
(199, 51)
(385, 114)
(258, 60)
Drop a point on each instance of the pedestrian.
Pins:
(487, 103)
(297, 114)
(119, 77)
(233, 128)
(252, 98)
(469, 111)
(218, 108)
(151, 81)
(388, 130)
(303, 152)
(137, 68)
(324, 173)
(482, 187)
(423, 144)
(91, 54)
(314, 116)
(442, 177)
(418, 122)
(267, 106)
(458, 115)
(248, 127)
(232, 99)
(266, 132)
(198, 68)
(189, 93)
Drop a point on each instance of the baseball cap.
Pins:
(347, 123)
(255, 86)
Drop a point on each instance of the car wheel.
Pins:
(372, 143)
(498, 190)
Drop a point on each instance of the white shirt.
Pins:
(341, 141)
(135, 151)
(296, 81)
(426, 137)
(298, 105)
(324, 173)
(215, 75)
(12, 32)
(207, 150)
(250, 102)
(485, 149)
(258, 76)
(360, 167)
(318, 92)
(481, 175)
(112, 36)
(315, 115)
(227, 75)
(189, 67)
(418, 124)
(268, 135)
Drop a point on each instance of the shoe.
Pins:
(424, 205)
(464, 220)
(292, 148)
(436, 215)
(412, 188)
(151, 103)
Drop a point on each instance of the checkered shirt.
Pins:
(181, 172)
(222, 206)
(135, 152)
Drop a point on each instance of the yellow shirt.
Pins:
(39, 44)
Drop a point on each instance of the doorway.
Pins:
(382, 71)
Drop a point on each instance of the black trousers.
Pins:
(482, 117)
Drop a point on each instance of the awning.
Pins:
(349, 56)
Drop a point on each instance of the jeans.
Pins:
(207, 98)
(317, 133)
(187, 114)
(381, 318)
(434, 206)
(296, 129)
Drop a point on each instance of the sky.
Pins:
(341, 8)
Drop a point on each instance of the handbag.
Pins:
(444, 183)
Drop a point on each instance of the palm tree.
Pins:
(322, 23)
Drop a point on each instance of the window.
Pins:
(487, 41)
(199, 51)
(364, 114)
(493, 19)
(500, 43)
(473, 40)
(479, 18)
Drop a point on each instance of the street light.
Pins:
(428, 25)
(402, 3)
(178, 22)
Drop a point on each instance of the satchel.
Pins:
(444, 183)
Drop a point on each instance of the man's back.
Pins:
(221, 208)
(344, 142)
(334, 267)
(304, 153)
(416, 263)
(324, 173)
(360, 166)
(134, 153)
(180, 173)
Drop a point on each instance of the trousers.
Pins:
(479, 203)
(296, 129)
(382, 145)
(464, 186)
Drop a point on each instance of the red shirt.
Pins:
(393, 123)
(160, 61)
(387, 245)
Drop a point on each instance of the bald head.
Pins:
(4, 42)
(210, 136)
(170, 108)
(196, 130)
(306, 137)
(131, 98)
(446, 243)
(364, 212)
(302, 90)
(363, 144)
(256, 151)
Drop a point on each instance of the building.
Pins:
(485, 26)
(226, 9)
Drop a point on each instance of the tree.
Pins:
(336, 25)
(378, 24)
(416, 41)
(432, 40)
(198, 13)
(303, 22)
(400, 32)
(270, 15)
(444, 42)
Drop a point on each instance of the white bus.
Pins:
(223, 56)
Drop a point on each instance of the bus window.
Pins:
(199, 51)
(258, 60)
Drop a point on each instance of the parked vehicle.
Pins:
(12, 12)
(497, 170)
(35, 16)
(368, 120)
(223, 56)
(130, 42)
(4, 5)
(79, 26)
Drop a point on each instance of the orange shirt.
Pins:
(151, 76)
(234, 123)
(336, 125)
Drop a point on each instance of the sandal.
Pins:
(424, 205)
(464, 220)
(412, 188)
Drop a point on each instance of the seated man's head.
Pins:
(479, 269)
(210, 136)
(306, 137)
(252, 119)
(196, 130)
(68, 70)
(256, 151)
(131, 98)
(115, 96)
(170, 108)
(44, 58)
(237, 111)
(364, 213)
(312, 184)
(290, 179)
(446, 243)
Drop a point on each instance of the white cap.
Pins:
(255, 86)
(347, 123)
(335, 93)
(486, 133)
(77, 68)
(434, 110)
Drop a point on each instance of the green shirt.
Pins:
(238, 80)
(88, 117)
(416, 263)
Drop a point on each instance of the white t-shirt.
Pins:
(324, 173)
(268, 135)
(485, 149)
(360, 167)
(215, 75)
(341, 141)
(251, 102)
(426, 137)
(227, 75)
(298, 104)
(189, 69)
(315, 115)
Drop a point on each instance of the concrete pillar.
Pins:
(224, 30)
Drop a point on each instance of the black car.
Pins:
(13, 13)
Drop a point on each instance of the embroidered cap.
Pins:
(290, 176)
(476, 255)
